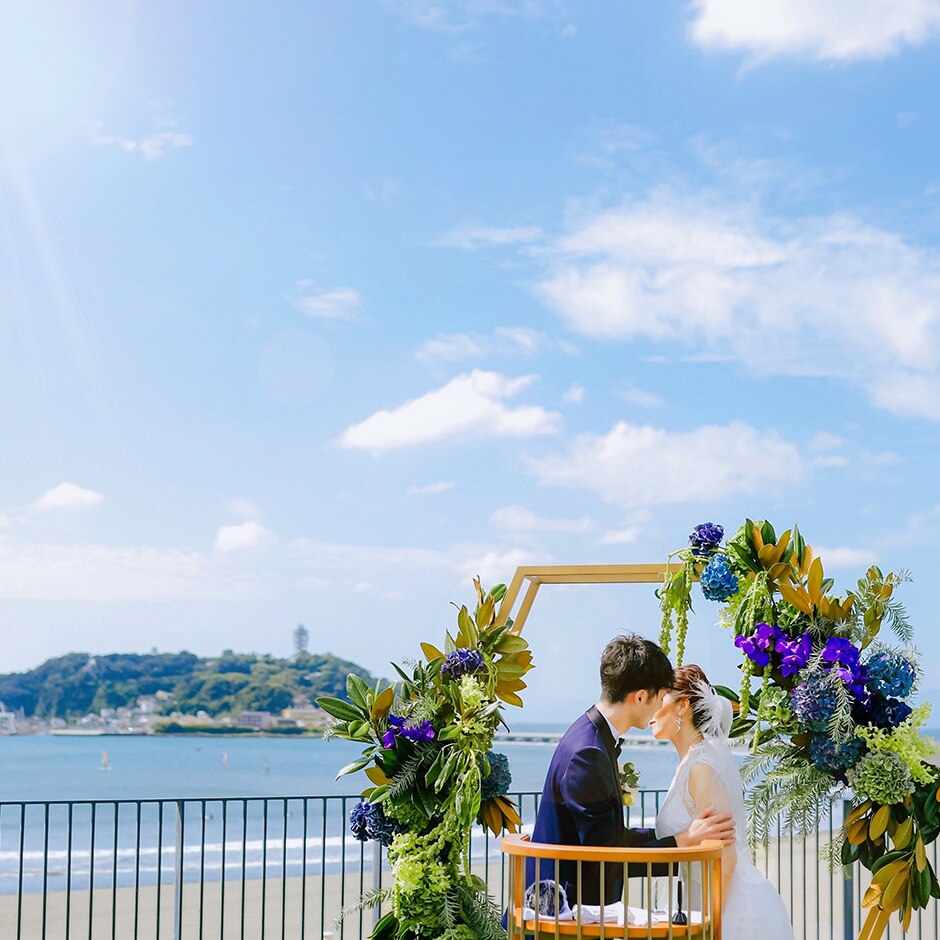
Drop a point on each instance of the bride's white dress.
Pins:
(753, 909)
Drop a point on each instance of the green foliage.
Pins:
(73, 685)
(426, 745)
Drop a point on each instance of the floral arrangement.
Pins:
(428, 755)
(830, 709)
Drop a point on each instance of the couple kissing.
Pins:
(582, 804)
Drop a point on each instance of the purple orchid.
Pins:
(760, 644)
(794, 653)
(420, 731)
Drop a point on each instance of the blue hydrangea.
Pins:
(368, 821)
(882, 712)
(890, 675)
(814, 701)
(718, 580)
(705, 538)
(499, 780)
(461, 662)
(835, 757)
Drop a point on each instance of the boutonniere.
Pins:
(629, 783)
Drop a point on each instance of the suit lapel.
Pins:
(603, 729)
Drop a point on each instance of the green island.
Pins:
(176, 693)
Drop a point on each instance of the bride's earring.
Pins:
(679, 723)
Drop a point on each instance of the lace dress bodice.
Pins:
(753, 909)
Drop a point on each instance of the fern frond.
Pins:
(373, 898)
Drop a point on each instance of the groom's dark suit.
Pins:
(581, 805)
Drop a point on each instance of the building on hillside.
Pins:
(7, 720)
(307, 714)
(257, 720)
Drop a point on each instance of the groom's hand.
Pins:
(708, 825)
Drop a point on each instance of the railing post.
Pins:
(178, 879)
(376, 879)
(848, 888)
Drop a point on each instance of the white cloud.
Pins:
(830, 460)
(471, 405)
(521, 519)
(340, 303)
(639, 466)
(503, 341)
(844, 557)
(150, 148)
(722, 278)
(498, 567)
(625, 536)
(99, 573)
(575, 394)
(243, 535)
(346, 561)
(636, 396)
(431, 489)
(825, 441)
(68, 496)
(454, 17)
(826, 30)
(472, 237)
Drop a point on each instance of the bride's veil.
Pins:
(718, 713)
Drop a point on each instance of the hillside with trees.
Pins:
(78, 683)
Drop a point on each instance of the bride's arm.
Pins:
(708, 790)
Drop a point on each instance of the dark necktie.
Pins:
(618, 747)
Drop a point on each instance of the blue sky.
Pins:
(311, 314)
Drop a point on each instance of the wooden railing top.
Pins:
(521, 845)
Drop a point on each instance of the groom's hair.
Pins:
(630, 663)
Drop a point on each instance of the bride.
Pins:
(697, 721)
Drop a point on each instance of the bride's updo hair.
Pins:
(687, 685)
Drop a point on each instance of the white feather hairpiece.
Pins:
(717, 709)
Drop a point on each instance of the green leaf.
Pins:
(767, 533)
(357, 691)
(498, 592)
(354, 767)
(727, 693)
(512, 643)
(341, 709)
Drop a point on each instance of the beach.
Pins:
(308, 909)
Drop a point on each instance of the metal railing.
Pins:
(262, 868)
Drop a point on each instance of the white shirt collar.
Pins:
(618, 737)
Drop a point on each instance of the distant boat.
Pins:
(105, 765)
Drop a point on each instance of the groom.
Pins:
(581, 802)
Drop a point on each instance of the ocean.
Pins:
(134, 842)
(48, 767)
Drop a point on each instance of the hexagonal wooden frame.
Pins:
(537, 575)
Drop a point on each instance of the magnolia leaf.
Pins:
(357, 691)
(382, 704)
(339, 708)
(757, 540)
(354, 767)
(486, 613)
(378, 776)
(509, 697)
(431, 652)
(796, 597)
(463, 620)
(512, 643)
